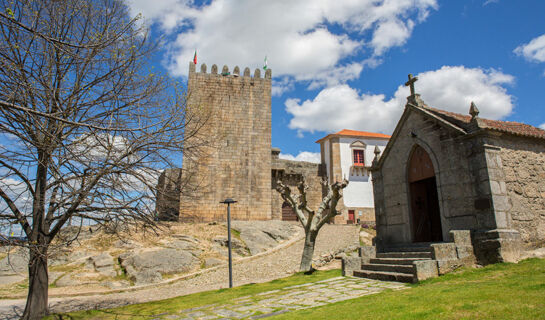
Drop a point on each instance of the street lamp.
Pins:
(229, 201)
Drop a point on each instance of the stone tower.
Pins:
(236, 159)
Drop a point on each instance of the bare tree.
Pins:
(86, 124)
(312, 220)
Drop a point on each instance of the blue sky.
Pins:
(342, 64)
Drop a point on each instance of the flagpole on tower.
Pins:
(195, 57)
(265, 63)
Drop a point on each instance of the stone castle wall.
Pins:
(168, 195)
(523, 162)
(236, 159)
(291, 173)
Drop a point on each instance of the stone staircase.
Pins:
(411, 262)
(397, 264)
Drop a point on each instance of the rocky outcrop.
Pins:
(103, 264)
(149, 266)
(260, 236)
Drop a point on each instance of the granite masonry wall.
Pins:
(291, 173)
(236, 160)
(168, 195)
(523, 162)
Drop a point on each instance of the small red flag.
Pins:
(195, 57)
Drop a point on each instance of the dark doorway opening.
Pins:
(426, 218)
(287, 213)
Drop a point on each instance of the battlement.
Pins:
(226, 73)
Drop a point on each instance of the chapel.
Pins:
(443, 171)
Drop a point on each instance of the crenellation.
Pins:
(257, 73)
(268, 74)
(225, 70)
(247, 72)
(214, 69)
(203, 68)
(236, 71)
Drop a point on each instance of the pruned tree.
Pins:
(312, 220)
(86, 124)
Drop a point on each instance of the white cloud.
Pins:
(487, 2)
(295, 35)
(542, 126)
(534, 50)
(450, 88)
(281, 85)
(303, 156)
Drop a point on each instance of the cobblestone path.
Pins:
(297, 297)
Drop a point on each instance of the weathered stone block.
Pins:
(446, 266)
(461, 237)
(367, 252)
(425, 269)
(444, 251)
(498, 245)
(349, 264)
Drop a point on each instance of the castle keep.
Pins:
(234, 159)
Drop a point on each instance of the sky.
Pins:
(343, 64)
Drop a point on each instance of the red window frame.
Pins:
(358, 157)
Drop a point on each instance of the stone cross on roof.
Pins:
(411, 82)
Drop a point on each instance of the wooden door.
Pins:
(426, 218)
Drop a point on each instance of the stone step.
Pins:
(384, 275)
(404, 255)
(423, 248)
(399, 268)
(403, 261)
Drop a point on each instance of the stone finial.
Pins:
(236, 71)
(257, 73)
(225, 70)
(214, 69)
(203, 68)
(247, 72)
(473, 110)
(377, 156)
(268, 74)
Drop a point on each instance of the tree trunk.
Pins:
(36, 303)
(308, 251)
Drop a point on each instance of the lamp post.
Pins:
(228, 201)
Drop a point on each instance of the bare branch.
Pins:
(18, 215)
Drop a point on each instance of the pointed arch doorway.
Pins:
(425, 215)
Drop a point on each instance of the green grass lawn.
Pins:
(501, 291)
(222, 296)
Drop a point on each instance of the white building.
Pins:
(349, 154)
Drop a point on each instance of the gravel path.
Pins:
(331, 239)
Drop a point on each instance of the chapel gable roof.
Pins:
(461, 123)
(510, 127)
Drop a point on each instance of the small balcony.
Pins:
(359, 169)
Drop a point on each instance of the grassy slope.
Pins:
(222, 296)
(501, 291)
